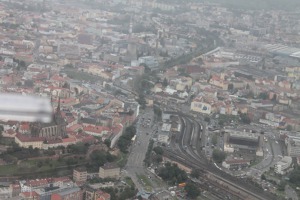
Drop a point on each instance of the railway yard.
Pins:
(186, 149)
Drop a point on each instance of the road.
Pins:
(272, 154)
(135, 164)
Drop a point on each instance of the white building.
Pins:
(201, 107)
(150, 61)
(166, 127)
(293, 145)
(282, 166)
(164, 137)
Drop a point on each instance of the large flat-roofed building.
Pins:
(109, 170)
(293, 145)
(80, 174)
(67, 194)
(284, 165)
(282, 50)
(242, 140)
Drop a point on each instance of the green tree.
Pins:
(1, 131)
(157, 158)
(125, 140)
(66, 85)
(289, 127)
(192, 190)
(22, 64)
(214, 139)
(219, 156)
(295, 177)
(165, 82)
(207, 119)
(172, 174)
(148, 156)
(195, 173)
(157, 111)
(79, 148)
(107, 142)
(263, 95)
(281, 186)
(158, 150)
(99, 158)
(245, 118)
(39, 164)
(128, 193)
(250, 95)
(68, 66)
(142, 101)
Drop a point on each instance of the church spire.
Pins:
(58, 105)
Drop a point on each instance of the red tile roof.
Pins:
(102, 195)
(25, 126)
(24, 138)
(190, 69)
(37, 182)
(56, 197)
(58, 78)
(74, 127)
(29, 194)
(96, 129)
(67, 140)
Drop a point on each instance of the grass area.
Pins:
(8, 169)
(122, 159)
(226, 119)
(37, 166)
(74, 74)
(158, 182)
(129, 181)
(6, 141)
(256, 161)
(146, 182)
(280, 194)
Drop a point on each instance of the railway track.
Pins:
(203, 177)
(187, 152)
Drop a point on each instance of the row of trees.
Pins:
(121, 194)
(192, 191)
(79, 148)
(157, 112)
(172, 174)
(295, 177)
(99, 158)
(153, 155)
(147, 159)
(219, 156)
(125, 140)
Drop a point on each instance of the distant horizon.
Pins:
(252, 5)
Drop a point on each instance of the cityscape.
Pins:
(157, 99)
